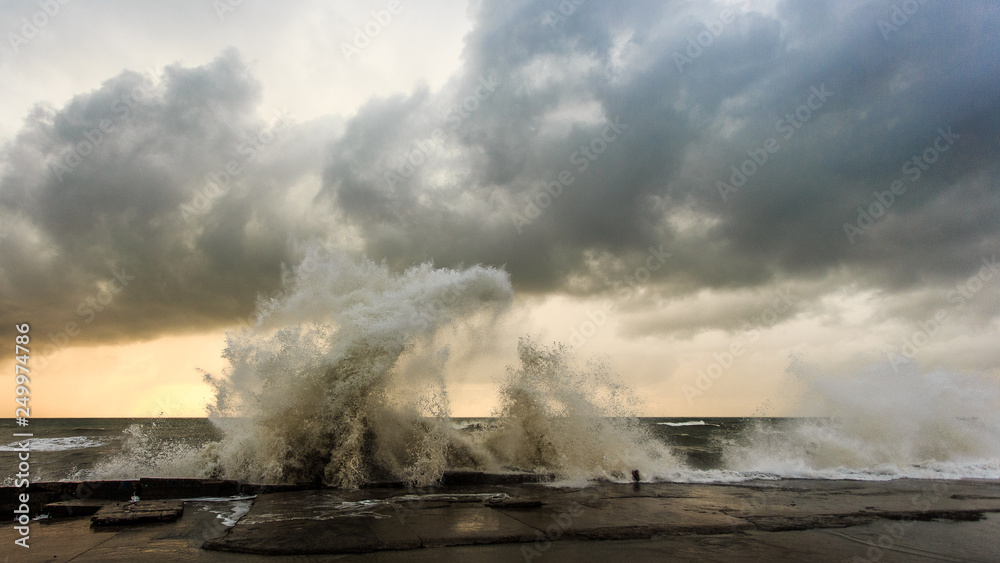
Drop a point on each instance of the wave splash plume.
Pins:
(325, 386)
(341, 382)
(881, 424)
(578, 423)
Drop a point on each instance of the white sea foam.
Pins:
(143, 454)
(879, 424)
(55, 444)
(687, 423)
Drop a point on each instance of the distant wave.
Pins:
(54, 444)
(686, 423)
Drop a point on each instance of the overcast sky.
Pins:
(696, 191)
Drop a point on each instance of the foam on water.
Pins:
(881, 424)
(55, 444)
(228, 510)
(143, 454)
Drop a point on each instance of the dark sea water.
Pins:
(705, 449)
(70, 448)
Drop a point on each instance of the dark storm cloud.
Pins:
(114, 228)
(574, 143)
(838, 96)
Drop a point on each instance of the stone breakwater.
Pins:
(504, 516)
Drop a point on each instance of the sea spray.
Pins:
(880, 424)
(146, 452)
(340, 382)
(313, 391)
(579, 424)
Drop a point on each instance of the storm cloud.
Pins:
(843, 143)
(850, 142)
(152, 205)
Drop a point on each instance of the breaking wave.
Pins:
(55, 444)
(880, 424)
(143, 453)
(336, 380)
(341, 381)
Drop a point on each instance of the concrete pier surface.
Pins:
(783, 520)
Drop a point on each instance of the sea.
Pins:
(704, 450)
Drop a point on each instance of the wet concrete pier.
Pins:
(787, 520)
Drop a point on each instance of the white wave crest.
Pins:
(55, 444)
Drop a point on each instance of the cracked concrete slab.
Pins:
(140, 512)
